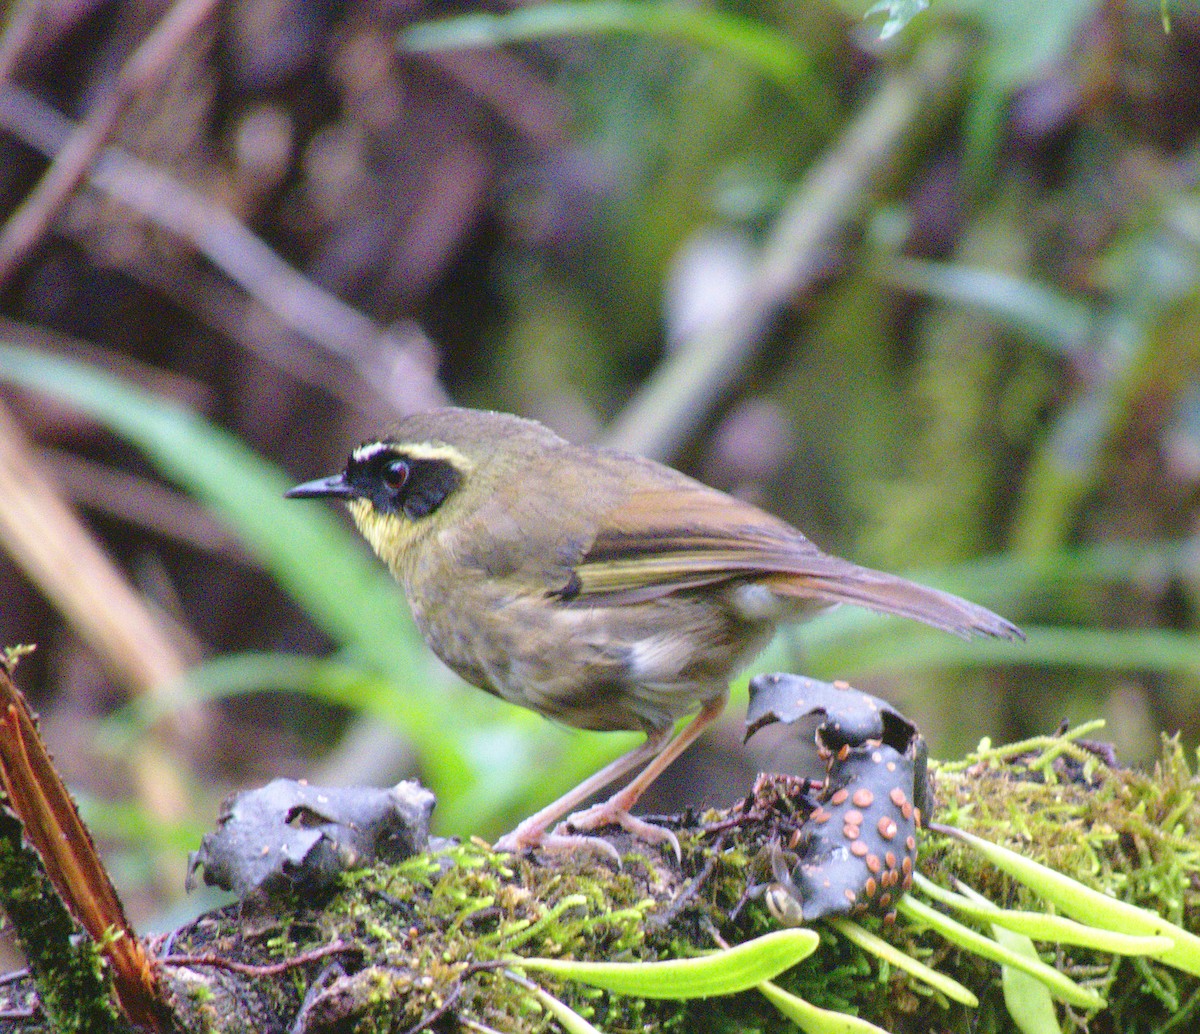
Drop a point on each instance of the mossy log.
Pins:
(437, 942)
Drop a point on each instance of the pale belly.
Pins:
(636, 666)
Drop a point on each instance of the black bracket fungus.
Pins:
(857, 849)
(289, 834)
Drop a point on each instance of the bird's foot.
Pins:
(610, 813)
(528, 837)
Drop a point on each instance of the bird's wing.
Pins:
(683, 535)
(663, 539)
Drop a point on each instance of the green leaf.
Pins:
(1062, 323)
(812, 1020)
(1043, 927)
(571, 1021)
(1088, 905)
(770, 53)
(308, 551)
(844, 642)
(1027, 999)
(721, 973)
(335, 682)
(903, 648)
(1060, 986)
(892, 955)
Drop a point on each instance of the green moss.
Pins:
(1130, 833)
(73, 985)
(441, 932)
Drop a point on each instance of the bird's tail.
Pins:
(892, 594)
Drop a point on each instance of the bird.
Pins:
(599, 588)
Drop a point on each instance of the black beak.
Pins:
(335, 485)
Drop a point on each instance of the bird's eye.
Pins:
(395, 474)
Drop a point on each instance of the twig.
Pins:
(23, 23)
(145, 67)
(37, 796)
(146, 504)
(54, 548)
(436, 1014)
(391, 361)
(686, 387)
(195, 286)
(247, 969)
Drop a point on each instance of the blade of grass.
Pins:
(1061, 323)
(907, 649)
(811, 1019)
(1003, 582)
(307, 550)
(1044, 927)
(768, 52)
(1060, 985)
(313, 556)
(333, 681)
(722, 973)
(1088, 905)
(880, 948)
(503, 784)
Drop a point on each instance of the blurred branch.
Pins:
(24, 21)
(393, 362)
(210, 297)
(693, 380)
(774, 55)
(144, 68)
(143, 503)
(53, 547)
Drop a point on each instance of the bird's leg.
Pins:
(616, 809)
(532, 832)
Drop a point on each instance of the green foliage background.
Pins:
(993, 383)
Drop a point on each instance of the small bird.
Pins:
(596, 587)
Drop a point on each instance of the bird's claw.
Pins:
(607, 814)
(570, 835)
(519, 841)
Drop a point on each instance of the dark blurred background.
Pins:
(935, 299)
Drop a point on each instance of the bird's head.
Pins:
(394, 490)
(415, 479)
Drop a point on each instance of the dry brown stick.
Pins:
(143, 503)
(144, 68)
(50, 543)
(24, 20)
(53, 547)
(686, 386)
(393, 361)
(266, 970)
(35, 792)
